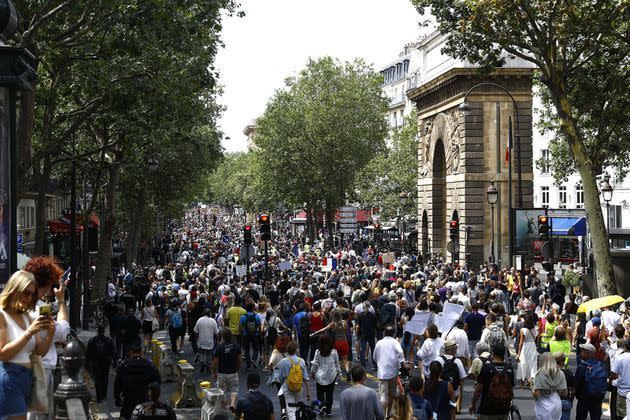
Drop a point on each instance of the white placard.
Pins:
(388, 258)
(448, 317)
(285, 265)
(241, 271)
(418, 324)
(519, 262)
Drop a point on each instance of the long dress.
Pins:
(528, 360)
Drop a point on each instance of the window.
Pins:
(579, 196)
(544, 167)
(614, 218)
(545, 196)
(395, 120)
(562, 197)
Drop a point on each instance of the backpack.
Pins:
(420, 412)
(388, 314)
(500, 393)
(596, 378)
(305, 412)
(495, 336)
(176, 319)
(294, 380)
(305, 325)
(100, 349)
(251, 327)
(272, 332)
(450, 372)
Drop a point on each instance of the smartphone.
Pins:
(45, 310)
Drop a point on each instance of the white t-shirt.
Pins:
(148, 313)
(429, 351)
(207, 328)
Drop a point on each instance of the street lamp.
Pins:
(465, 108)
(493, 196)
(607, 192)
(403, 196)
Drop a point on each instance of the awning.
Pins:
(568, 226)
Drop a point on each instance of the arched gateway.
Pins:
(458, 156)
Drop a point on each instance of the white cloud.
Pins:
(276, 37)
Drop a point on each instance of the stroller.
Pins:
(306, 411)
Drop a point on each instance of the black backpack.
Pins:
(305, 325)
(450, 372)
(388, 314)
(272, 332)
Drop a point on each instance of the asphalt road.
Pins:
(108, 410)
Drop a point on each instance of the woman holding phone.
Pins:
(19, 339)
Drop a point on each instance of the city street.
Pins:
(108, 410)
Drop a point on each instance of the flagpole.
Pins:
(510, 215)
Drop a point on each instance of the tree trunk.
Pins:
(135, 227)
(40, 208)
(601, 252)
(24, 134)
(104, 257)
(330, 218)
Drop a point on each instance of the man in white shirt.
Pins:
(388, 356)
(459, 336)
(450, 351)
(620, 370)
(207, 330)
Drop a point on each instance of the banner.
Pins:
(241, 271)
(5, 191)
(285, 265)
(418, 324)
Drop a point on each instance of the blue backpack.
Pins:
(596, 377)
(176, 319)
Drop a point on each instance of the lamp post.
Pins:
(607, 192)
(493, 196)
(465, 108)
(403, 196)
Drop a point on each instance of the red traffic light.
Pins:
(543, 220)
(454, 223)
(248, 227)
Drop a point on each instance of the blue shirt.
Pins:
(296, 322)
(476, 322)
(417, 401)
(243, 322)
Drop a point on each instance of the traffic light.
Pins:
(544, 229)
(265, 227)
(454, 230)
(247, 234)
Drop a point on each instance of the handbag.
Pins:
(155, 324)
(39, 389)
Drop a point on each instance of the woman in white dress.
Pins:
(527, 354)
(549, 385)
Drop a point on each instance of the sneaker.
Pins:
(322, 411)
(181, 352)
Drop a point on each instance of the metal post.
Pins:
(85, 260)
(492, 238)
(75, 297)
(510, 216)
(267, 276)
(12, 187)
(608, 223)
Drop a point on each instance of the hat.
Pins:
(448, 344)
(588, 347)
(596, 321)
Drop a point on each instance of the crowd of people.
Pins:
(299, 319)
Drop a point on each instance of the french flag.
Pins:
(329, 264)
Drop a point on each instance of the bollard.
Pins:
(157, 353)
(185, 395)
(154, 351)
(203, 385)
(72, 386)
(166, 365)
(214, 406)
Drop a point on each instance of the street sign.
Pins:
(20, 241)
(225, 239)
(19, 238)
(347, 225)
(348, 209)
(348, 220)
(347, 230)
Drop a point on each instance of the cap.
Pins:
(588, 347)
(450, 344)
(596, 321)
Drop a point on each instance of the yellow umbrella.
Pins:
(599, 303)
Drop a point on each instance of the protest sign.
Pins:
(284, 265)
(388, 257)
(240, 271)
(450, 314)
(418, 324)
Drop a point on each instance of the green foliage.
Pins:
(392, 171)
(571, 279)
(320, 131)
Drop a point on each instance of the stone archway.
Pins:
(438, 198)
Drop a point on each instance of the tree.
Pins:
(580, 50)
(320, 131)
(391, 172)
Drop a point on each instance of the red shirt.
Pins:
(317, 322)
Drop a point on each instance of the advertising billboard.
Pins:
(526, 230)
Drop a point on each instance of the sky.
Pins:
(276, 38)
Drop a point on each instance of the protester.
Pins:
(421, 407)
(389, 357)
(493, 393)
(207, 332)
(620, 371)
(549, 386)
(226, 363)
(98, 358)
(19, 339)
(254, 405)
(131, 384)
(153, 409)
(359, 401)
(527, 355)
(324, 369)
(440, 393)
(149, 317)
(251, 329)
(590, 384)
(294, 379)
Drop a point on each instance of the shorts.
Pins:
(228, 382)
(147, 327)
(387, 387)
(342, 348)
(15, 389)
(621, 405)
